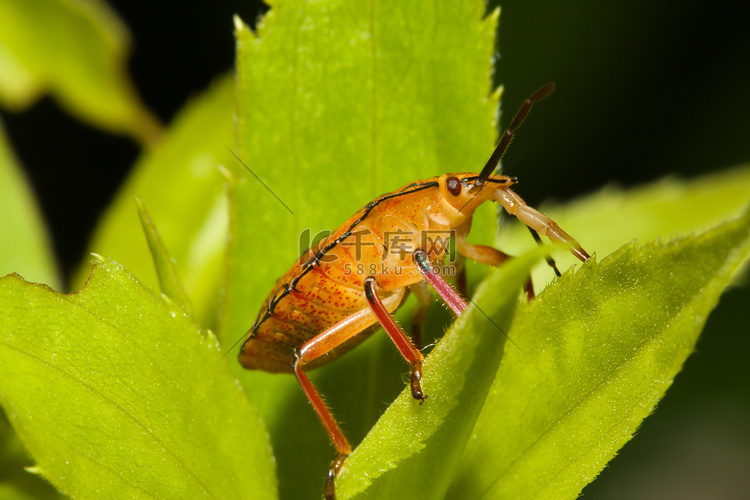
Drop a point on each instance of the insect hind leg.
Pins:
(343, 448)
(318, 346)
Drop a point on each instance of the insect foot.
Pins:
(416, 382)
(336, 465)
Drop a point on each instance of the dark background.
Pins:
(644, 89)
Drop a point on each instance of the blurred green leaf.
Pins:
(597, 352)
(77, 51)
(337, 104)
(169, 282)
(180, 182)
(117, 394)
(25, 248)
(16, 483)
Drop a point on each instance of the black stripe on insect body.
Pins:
(316, 258)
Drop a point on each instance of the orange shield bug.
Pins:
(349, 284)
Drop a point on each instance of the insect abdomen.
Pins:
(327, 283)
(300, 307)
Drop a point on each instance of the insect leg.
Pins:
(550, 261)
(318, 346)
(451, 297)
(424, 297)
(538, 221)
(343, 448)
(487, 255)
(404, 345)
(461, 282)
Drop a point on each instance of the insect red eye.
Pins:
(453, 185)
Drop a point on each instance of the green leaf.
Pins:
(77, 52)
(429, 439)
(337, 104)
(169, 282)
(26, 248)
(334, 104)
(16, 483)
(597, 353)
(180, 182)
(117, 394)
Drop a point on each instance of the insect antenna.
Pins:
(496, 325)
(227, 351)
(258, 178)
(507, 137)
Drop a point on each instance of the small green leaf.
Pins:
(180, 182)
(164, 265)
(598, 351)
(339, 103)
(422, 444)
(76, 51)
(117, 394)
(25, 247)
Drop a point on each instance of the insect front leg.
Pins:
(461, 282)
(451, 297)
(486, 255)
(550, 261)
(537, 221)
